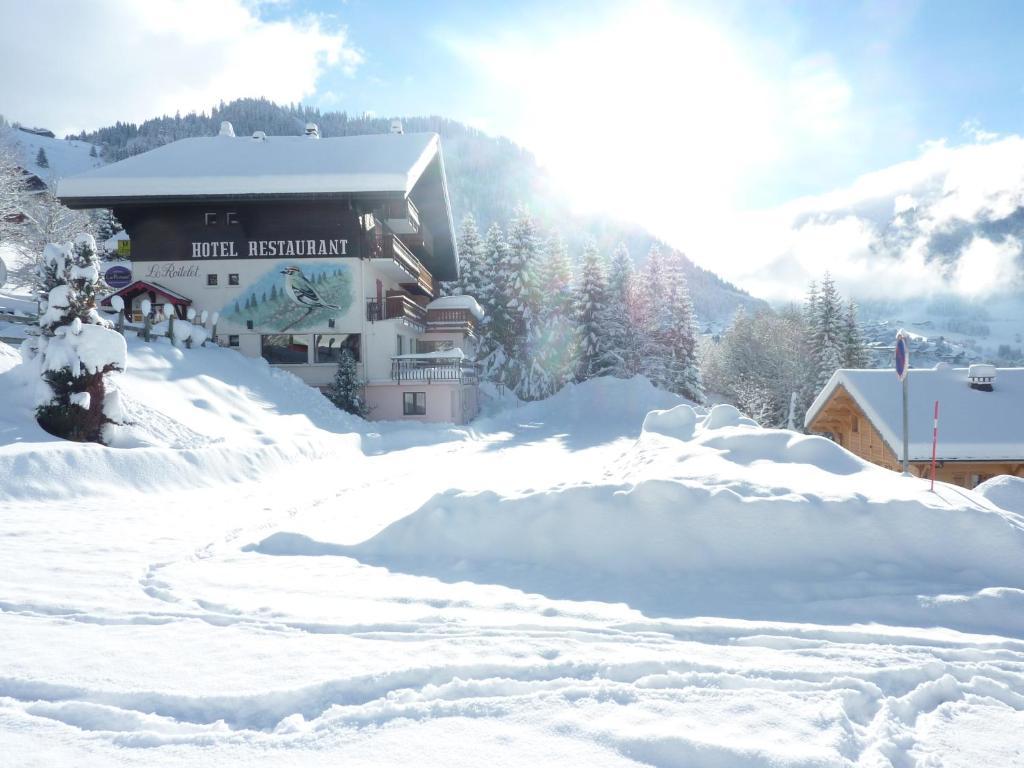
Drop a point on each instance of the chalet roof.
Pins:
(274, 165)
(407, 165)
(973, 425)
(142, 286)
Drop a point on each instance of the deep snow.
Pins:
(572, 582)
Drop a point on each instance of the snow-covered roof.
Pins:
(226, 165)
(973, 425)
(143, 286)
(458, 302)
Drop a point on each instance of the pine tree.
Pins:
(41, 159)
(74, 348)
(92, 151)
(855, 353)
(592, 317)
(471, 255)
(827, 332)
(523, 373)
(680, 333)
(494, 300)
(346, 390)
(623, 335)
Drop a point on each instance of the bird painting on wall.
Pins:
(302, 292)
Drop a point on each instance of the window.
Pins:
(231, 217)
(414, 403)
(285, 349)
(211, 219)
(233, 278)
(232, 341)
(211, 279)
(327, 347)
(856, 424)
(399, 339)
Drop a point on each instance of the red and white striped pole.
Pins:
(935, 440)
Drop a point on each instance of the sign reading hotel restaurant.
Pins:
(269, 249)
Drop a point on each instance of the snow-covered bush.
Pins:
(74, 348)
(346, 391)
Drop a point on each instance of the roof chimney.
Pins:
(396, 126)
(312, 130)
(982, 376)
(227, 129)
(259, 135)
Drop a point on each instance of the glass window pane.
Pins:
(285, 349)
(328, 346)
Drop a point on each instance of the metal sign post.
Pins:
(902, 369)
(935, 440)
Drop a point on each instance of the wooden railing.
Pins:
(436, 369)
(395, 308)
(386, 245)
(451, 319)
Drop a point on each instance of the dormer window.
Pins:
(211, 219)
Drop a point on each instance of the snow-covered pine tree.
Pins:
(74, 348)
(44, 220)
(494, 299)
(471, 249)
(41, 159)
(591, 307)
(654, 353)
(555, 340)
(623, 334)
(107, 225)
(524, 374)
(346, 390)
(680, 333)
(92, 151)
(827, 332)
(855, 353)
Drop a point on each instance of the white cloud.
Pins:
(935, 224)
(71, 65)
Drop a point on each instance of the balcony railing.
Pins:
(395, 308)
(434, 369)
(451, 320)
(388, 246)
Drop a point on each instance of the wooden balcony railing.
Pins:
(451, 319)
(395, 308)
(387, 246)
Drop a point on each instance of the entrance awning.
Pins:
(129, 292)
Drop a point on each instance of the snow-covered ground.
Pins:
(574, 582)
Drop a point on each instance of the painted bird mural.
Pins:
(302, 291)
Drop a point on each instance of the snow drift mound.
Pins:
(733, 521)
(593, 409)
(1004, 491)
(198, 417)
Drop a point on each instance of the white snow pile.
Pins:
(712, 515)
(195, 417)
(1004, 491)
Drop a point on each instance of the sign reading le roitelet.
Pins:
(263, 249)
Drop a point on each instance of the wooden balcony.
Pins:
(396, 307)
(457, 320)
(399, 263)
(434, 369)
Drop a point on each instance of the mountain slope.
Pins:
(487, 176)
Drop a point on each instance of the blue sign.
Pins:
(118, 277)
(902, 356)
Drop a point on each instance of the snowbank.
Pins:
(1004, 491)
(197, 418)
(709, 515)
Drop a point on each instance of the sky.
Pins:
(689, 118)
